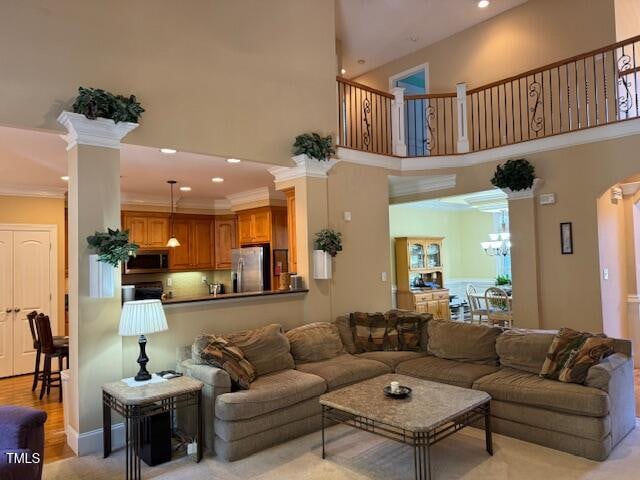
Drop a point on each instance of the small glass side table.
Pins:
(138, 404)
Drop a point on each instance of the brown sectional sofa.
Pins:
(586, 420)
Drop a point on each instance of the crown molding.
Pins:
(305, 166)
(402, 186)
(39, 191)
(263, 194)
(101, 132)
(180, 202)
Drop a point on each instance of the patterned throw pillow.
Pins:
(571, 353)
(592, 351)
(221, 353)
(411, 328)
(372, 332)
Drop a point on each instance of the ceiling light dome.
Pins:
(483, 3)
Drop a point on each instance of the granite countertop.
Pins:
(230, 296)
(429, 406)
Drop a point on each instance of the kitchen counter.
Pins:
(231, 296)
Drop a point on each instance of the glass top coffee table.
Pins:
(432, 412)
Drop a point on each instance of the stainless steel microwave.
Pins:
(148, 261)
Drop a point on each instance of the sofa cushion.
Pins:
(344, 370)
(516, 386)
(524, 349)
(346, 334)
(590, 353)
(441, 370)
(314, 342)
(268, 393)
(373, 332)
(391, 359)
(267, 348)
(222, 354)
(463, 342)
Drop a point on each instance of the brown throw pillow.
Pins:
(372, 332)
(566, 353)
(592, 351)
(411, 328)
(221, 353)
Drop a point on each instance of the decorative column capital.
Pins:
(305, 167)
(527, 193)
(101, 132)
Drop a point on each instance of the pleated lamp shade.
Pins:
(141, 317)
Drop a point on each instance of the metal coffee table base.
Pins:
(421, 441)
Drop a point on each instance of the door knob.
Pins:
(8, 310)
(17, 309)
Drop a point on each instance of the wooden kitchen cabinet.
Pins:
(202, 243)
(225, 240)
(196, 236)
(147, 229)
(290, 194)
(261, 225)
(180, 257)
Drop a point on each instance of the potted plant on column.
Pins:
(112, 248)
(327, 244)
(516, 178)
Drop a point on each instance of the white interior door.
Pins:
(6, 303)
(31, 291)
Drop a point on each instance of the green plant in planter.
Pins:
(112, 246)
(95, 102)
(515, 175)
(314, 146)
(503, 280)
(328, 241)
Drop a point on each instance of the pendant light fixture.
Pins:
(173, 241)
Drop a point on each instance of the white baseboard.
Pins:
(91, 442)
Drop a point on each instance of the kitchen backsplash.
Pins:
(183, 284)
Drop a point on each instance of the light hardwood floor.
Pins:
(17, 391)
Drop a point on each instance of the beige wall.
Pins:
(527, 37)
(357, 277)
(627, 19)
(613, 258)
(44, 211)
(234, 78)
(568, 285)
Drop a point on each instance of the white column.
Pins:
(463, 135)
(397, 122)
(93, 154)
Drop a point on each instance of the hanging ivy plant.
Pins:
(315, 146)
(328, 241)
(112, 246)
(514, 174)
(95, 102)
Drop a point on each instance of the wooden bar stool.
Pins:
(50, 350)
(57, 340)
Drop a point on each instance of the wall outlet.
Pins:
(605, 273)
(192, 448)
(169, 282)
(383, 276)
(347, 216)
(204, 280)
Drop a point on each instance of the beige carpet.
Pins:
(357, 455)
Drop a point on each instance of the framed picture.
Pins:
(566, 238)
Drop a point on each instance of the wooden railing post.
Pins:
(397, 122)
(463, 136)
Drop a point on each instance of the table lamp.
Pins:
(140, 317)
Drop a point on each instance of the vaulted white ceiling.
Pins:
(378, 31)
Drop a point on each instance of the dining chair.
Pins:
(57, 340)
(50, 350)
(474, 304)
(498, 306)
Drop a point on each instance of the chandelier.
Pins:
(498, 244)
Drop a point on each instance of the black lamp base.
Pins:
(142, 374)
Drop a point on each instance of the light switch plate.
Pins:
(169, 282)
(605, 273)
(204, 280)
(383, 276)
(347, 216)
(547, 199)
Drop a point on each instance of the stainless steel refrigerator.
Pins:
(250, 269)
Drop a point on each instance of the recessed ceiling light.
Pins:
(217, 179)
(64, 178)
(483, 3)
(185, 189)
(233, 160)
(413, 38)
(168, 151)
(343, 71)
(361, 61)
